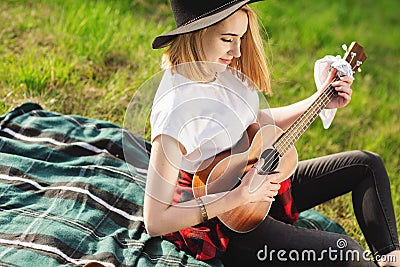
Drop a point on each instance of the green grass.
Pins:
(90, 57)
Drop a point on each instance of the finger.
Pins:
(253, 170)
(271, 186)
(344, 89)
(255, 180)
(347, 90)
(273, 177)
(330, 78)
(260, 162)
(258, 165)
(271, 193)
(332, 73)
(347, 79)
(275, 187)
(270, 199)
(346, 96)
(341, 83)
(342, 100)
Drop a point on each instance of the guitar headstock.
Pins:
(354, 55)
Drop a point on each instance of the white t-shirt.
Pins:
(206, 118)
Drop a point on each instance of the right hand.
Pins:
(265, 188)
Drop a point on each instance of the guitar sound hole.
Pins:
(271, 160)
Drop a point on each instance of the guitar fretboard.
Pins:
(293, 133)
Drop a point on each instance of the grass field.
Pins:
(89, 58)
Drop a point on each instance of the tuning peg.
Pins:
(359, 70)
(344, 47)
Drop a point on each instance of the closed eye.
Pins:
(227, 40)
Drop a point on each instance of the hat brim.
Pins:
(164, 39)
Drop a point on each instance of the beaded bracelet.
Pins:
(203, 210)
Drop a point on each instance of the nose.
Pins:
(235, 49)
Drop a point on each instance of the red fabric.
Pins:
(209, 240)
(283, 208)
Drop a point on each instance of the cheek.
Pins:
(213, 49)
(209, 52)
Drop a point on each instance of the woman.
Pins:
(215, 61)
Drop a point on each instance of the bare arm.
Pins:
(285, 116)
(161, 217)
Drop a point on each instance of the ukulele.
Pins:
(224, 172)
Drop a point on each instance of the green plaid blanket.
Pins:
(70, 194)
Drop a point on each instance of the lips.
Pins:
(226, 61)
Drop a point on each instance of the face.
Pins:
(221, 42)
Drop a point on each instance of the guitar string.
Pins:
(282, 146)
(328, 94)
(313, 112)
(323, 97)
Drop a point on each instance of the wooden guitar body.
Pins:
(222, 175)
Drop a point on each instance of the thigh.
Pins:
(364, 174)
(274, 243)
(320, 179)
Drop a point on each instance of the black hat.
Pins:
(193, 15)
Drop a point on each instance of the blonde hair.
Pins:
(187, 48)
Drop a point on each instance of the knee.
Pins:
(368, 158)
(372, 165)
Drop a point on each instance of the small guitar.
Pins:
(224, 172)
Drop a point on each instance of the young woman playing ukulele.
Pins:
(206, 100)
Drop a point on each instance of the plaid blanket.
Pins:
(70, 194)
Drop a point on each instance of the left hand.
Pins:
(343, 89)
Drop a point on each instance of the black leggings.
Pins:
(274, 243)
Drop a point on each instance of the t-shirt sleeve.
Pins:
(180, 123)
(171, 120)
